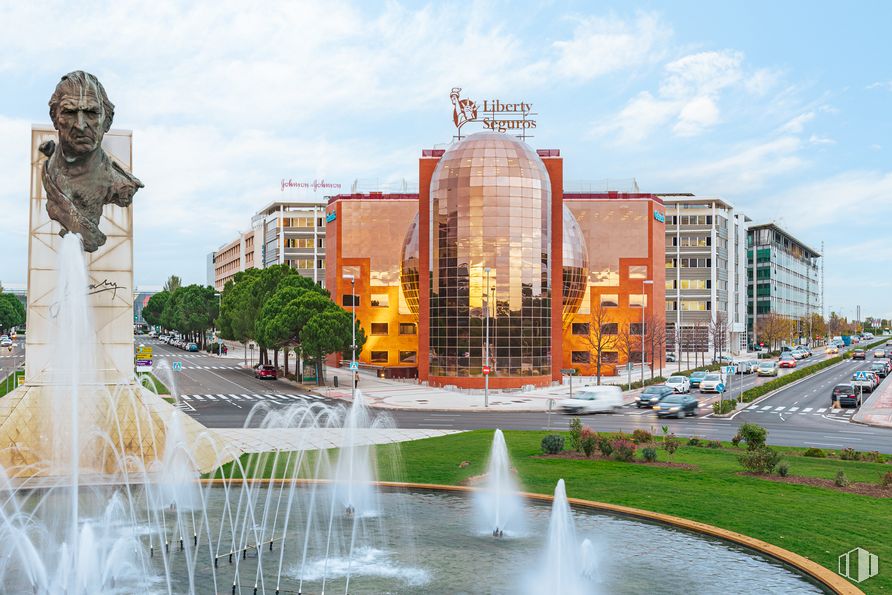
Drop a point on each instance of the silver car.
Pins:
(712, 384)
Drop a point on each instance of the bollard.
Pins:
(167, 546)
(195, 539)
(335, 381)
(181, 544)
(152, 551)
(230, 557)
(215, 561)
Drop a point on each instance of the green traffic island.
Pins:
(11, 381)
(150, 381)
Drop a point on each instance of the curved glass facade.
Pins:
(575, 267)
(409, 268)
(490, 209)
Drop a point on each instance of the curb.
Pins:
(810, 568)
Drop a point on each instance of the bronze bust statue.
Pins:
(79, 177)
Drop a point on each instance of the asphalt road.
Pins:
(219, 393)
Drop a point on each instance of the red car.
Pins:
(787, 362)
(265, 371)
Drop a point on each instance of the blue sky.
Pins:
(780, 107)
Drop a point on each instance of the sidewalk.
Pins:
(252, 440)
(877, 410)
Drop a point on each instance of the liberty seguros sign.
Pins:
(494, 114)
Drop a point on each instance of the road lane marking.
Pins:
(822, 410)
(767, 407)
(807, 409)
(210, 397)
(779, 408)
(792, 409)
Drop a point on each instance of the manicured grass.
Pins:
(159, 387)
(8, 383)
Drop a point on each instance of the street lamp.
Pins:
(641, 330)
(486, 368)
(353, 370)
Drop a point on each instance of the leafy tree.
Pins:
(329, 332)
(12, 312)
(151, 312)
(172, 284)
(191, 310)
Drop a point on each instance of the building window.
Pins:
(320, 263)
(695, 305)
(350, 300)
(581, 357)
(408, 357)
(609, 300)
(609, 357)
(670, 284)
(637, 300)
(635, 328)
(671, 263)
(380, 300)
(610, 328)
(408, 328)
(379, 328)
(580, 328)
(379, 357)
(350, 271)
(638, 272)
(670, 305)
(303, 263)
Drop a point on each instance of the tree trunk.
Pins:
(298, 365)
(285, 354)
(276, 358)
(599, 368)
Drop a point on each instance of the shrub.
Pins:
(873, 456)
(736, 440)
(588, 443)
(886, 481)
(724, 406)
(841, 480)
(783, 469)
(640, 436)
(575, 433)
(814, 452)
(714, 444)
(624, 450)
(650, 455)
(754, 435)
(605, 446)
(671, 443)
(693, 441)
(849, 454)
(552, 444)
(760, 460)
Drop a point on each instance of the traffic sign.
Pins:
(729, 369)
(354, 366)
(719, 388)
(177, 366)
(568, 371)
(486, 370)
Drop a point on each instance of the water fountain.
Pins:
(499, 505)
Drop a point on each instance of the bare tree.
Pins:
(601, 336)
(656, 337)
(718, 334)
(626, 342)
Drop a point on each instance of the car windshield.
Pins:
(674, 380)
(674, 399)
(653, 390)
(585, 397)
(843, 388)
(766, 365)
(713, 377)
(698, 374)
(786, 356)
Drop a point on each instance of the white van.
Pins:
(593, 399)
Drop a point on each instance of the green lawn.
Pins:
(152, 381)
(7, 384)
(818, 523)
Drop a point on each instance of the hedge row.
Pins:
(757, 391)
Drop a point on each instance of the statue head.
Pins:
(81, 113)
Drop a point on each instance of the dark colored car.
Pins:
(677, 405)
(859, 354)
(265, 371)
(846, 395)
(880, 368)
(652, 395)
(192, 347)
(696, 377)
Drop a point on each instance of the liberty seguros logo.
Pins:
(494, 114)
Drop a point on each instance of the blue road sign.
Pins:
(177, 366)
(720, 387)
(354, 366)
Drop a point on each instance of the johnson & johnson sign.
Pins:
(494, 114)
(314, 185)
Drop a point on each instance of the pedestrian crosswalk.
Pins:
(270, 397)
(801, 411)
(212, 367)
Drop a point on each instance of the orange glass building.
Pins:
(491, 267)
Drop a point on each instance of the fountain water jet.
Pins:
(499, 505)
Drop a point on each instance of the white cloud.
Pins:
(603, 45)
(821, 140)
(797, 124)
(696, 115)
(887, 85)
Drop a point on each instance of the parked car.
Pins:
(652, 395)
(696, 378)
(863, 381)
(845, 395)
(680, 384)
(677, 405)
(265, 371)
(767, 369)
(192, 347)
(712, 384)
(593, 399)
(859, 354)
(786, 361)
